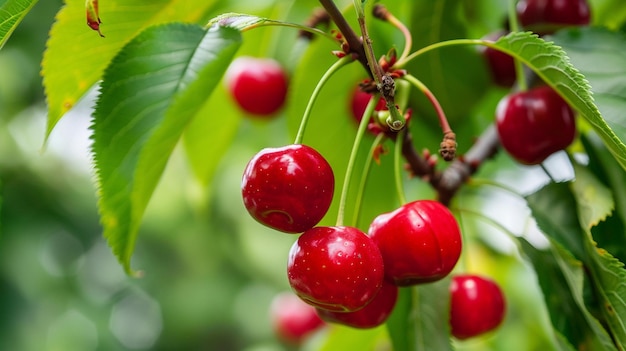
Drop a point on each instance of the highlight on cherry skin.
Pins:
(372, 315)
(289, 188)
(258, 85)
(335, 268)
(292, 319)
(420, 242)
(477, 305)
(546, 16)
(534, 124)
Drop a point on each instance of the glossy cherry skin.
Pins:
(335, 268)
(477, 305)
(420, 242)
(258, 85)
(289, 188)
(501, 65)
(292, 319)
(372, 315)
(534, 124)
(546, 16)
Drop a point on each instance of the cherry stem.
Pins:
(318, 88)
(522, 84)
(384, 82)
(358, 202)
(398, 166)
(381, 12)
(443, 120)
(353, 154)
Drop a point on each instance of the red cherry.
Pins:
(359, 102)
(335, 268)
(292, 319)
(420, 242)
(258, 85)
(535, 124)
(288, 188)
(501, 65)
(370, 316)
(477, 306)
(546, 16)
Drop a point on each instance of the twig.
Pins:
(355, 43)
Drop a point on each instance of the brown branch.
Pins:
(353, 40)
(449, 181)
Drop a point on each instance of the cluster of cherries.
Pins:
(341, 274)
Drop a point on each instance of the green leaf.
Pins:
(555, 207)
(587, 47)
(76, 56)
(552, 64)
(610, 234)
(149, 94)
(11, 14)
(420, 319)
(561, 278)
(595, 203)
(209, 135)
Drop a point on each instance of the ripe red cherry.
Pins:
(359, 101)
(335, 268)
(501, 65)
(477, 306)
(258, 85)
(292, 319)
(535, 124)
(546, 16)
(420, 242)
(288, 188)
(370, 316)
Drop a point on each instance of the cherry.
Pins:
(288, 188)
(420, 242)
(370, 316)
(359, 101)
(501, 65)
(292, 319)
(477, 306)
(534, 124)
(546, 16)
(335, 268)
(259, 86)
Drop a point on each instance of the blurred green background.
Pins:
(210, 271)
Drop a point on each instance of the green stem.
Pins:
(358, 202)
(398, 166)
(355, 148)
(384, 83)
(441, 44)
(443, 121)
(519, 68)
(309, 107)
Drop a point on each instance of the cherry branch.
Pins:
(448, 181)
(354, 41)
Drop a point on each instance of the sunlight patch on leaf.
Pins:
(76, 57)
(12, 12)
